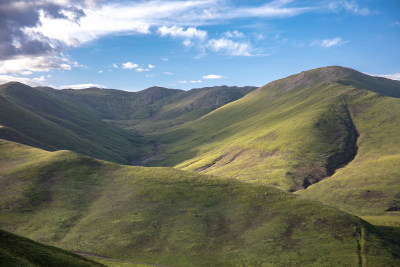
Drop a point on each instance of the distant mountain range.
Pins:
(275, 175)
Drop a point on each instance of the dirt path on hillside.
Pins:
(117, 260)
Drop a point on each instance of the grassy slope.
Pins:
(33, 118)
(17, 251)
(163, 215)
(150, 110)
(298, 130)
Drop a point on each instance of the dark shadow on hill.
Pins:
(338, 136)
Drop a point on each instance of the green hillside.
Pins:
(17, 251)
(296, 131)
(31, 117)
(149, 110)
(167, 216)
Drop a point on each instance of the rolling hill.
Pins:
(331, 125)
(149, 110)
(172, 217)
(31, 117)
(17, 251)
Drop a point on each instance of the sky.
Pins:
(133, 45)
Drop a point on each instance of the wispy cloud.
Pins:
(327, 43)
(233, 34)
(29, 81)
(394, 76)
(350, 6)
(82, 86)
(167, 73)
(213, 77)
(396, 24)
(193, 81)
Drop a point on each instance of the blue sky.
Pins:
(132, 45)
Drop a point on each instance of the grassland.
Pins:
(332, 128)
(172, 217)
(31, 117)
(17, 251)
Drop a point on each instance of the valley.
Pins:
(302, 171)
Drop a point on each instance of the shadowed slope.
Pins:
(167, 216)
(45, 122)
(17, 251)
(150, 110)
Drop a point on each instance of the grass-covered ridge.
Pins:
(301, 130)
(17, 251)
(163, 215)
(31, 117)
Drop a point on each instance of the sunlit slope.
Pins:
(370, 185)
(289, 134)
(16, 251)
(167, 216)
(34, 118)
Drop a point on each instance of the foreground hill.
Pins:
(332, 124)
(31, 117)
(149, 110)
(167, 216)
(17, 251)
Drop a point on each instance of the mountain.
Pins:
(332, 130)
(19, 251)
(31, 117)
(171, 217)
(149, 110)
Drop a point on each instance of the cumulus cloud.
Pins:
(229, 47)
(167, 73)
(327, 43)
(82, 86)
(151, 66)
(129, 65)
(213, 77)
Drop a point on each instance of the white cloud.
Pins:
(115, 66)
(149, 75)
(230, 47)
(328, 42)
(395, 76)
(193, 81)
(234, 34)
(26, 65)
(165, 59)
(213, 77)
(100, 71)
(142, 70)
(167, 73)
(81, 86)
(129, 65)
(32, 82)
(151, 66)
(396, 23)
(26, 72)
(39, 79)
(189, 33)
(350, 6)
